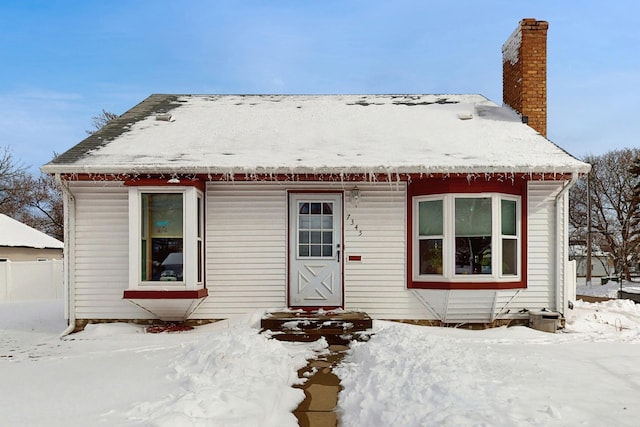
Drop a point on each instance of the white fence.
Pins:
(572, 281)
(31, 280)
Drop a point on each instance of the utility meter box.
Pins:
(545, 321)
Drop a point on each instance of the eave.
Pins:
(345, 171)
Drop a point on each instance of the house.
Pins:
(602, 263)
(30, 262)
(19, 242)
(448, 208)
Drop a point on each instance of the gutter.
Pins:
(69, 254)
(558, 264)
(348, 168)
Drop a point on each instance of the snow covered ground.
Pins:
(598, 290)
(227, 374)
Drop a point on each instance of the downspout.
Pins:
(557, 265)
(69, 254)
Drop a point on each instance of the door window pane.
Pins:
(315, 229)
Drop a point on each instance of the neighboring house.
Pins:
(440, 207)
(19, 242)
(602, 263)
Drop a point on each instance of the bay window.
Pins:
(165, 229)
(467, 238)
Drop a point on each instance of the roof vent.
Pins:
(465, 116)
(165, 117)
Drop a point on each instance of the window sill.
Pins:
(151, 294)
(467, 285)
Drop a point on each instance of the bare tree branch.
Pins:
(100, 120)
(614, 208)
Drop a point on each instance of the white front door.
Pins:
(315, 250)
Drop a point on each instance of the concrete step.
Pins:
(337, 327)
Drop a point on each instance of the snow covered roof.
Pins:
(316, 134)
(16, 234)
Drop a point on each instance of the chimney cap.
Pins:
(532, 22)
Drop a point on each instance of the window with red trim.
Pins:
(166, 226)
(467, 240)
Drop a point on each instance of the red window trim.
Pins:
(427, 187)
(157, 182)
(177, 294)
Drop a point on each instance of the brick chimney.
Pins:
(524, 72)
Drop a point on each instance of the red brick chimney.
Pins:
(524, 72)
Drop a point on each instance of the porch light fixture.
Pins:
(173, 180)
(355, 194)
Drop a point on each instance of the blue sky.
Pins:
(62, 62)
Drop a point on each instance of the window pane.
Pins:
(303, 237)
(327, 237)
(473, 217)
(162, 237)
(316, 250)
(316, 208)
(304, 221)
(430, 218)
(473, 255)
(508, 208)
(327, 208)
(327, 222)
(303, 250)
(303, 208)
(199, 260)
(199, 213)
(509, 256)
(431, 256)
(316, 222)
(316, 236)
(327, 250)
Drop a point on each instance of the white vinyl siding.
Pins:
(247, 249)
(246, 254)
(542, 250)
(101, 257)
(377, 283)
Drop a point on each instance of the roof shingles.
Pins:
(316, 134)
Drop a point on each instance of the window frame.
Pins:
(449, 279)
(192, 238)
